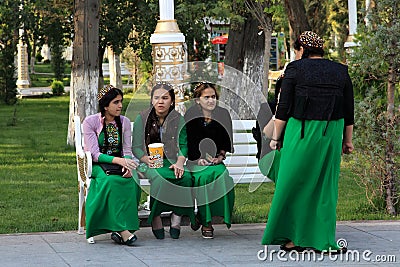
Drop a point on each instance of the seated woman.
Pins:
(209, 131)
(112, 201)
(171, 184)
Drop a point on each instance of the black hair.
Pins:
(170, 90)
(203, 86)
(103, 103)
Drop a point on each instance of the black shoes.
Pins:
(118, 239)
(174, 232)
(159, 233)
(131, 240)
(295, 248)
(325, 252)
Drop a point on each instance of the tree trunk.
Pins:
(85, 69)
(245, 53)
(390, 174)
(267, 56)
(101, 52)
(33, 58)
(297, 16)
(114, 68)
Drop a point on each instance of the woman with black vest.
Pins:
(209, 130)
(316, 109)
(171, 184)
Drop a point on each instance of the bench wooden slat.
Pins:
(242, 161)
(243, 150)
(243, 125)
(250, 178)
(243, 138)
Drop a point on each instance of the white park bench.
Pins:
(242, 164)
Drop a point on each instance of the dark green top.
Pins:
(138, 134)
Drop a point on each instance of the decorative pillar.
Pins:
(23, 72)
(352, 6)
(168, 52)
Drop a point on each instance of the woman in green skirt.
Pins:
(112, 200)
(209, 130)
(170, 188)
(316, 106)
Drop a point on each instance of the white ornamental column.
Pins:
(352, 6)
(23, 72)
(168, 53)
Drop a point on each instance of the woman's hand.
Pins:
(125, 163)
(275, 145)
(217, 160)
(202, 162)
(130, 164)
(178, 169)
(127, 173)
(147, 160)
(347, 147)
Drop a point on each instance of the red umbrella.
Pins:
(223, 39)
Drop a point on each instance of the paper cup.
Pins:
(156, 151)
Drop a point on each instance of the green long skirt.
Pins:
(269, 164)
(214, 191)
(303, 208)
(170, 194)
(112, 203)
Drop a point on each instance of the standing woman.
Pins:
(209, 130)
(316, 106)
(171, 184)
(112, 201)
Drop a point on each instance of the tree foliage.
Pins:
(375, 69)
(8, 45)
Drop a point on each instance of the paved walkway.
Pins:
(371, 243)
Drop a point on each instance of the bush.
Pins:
(57, 88)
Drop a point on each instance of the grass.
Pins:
(44, 76)
(38, 177)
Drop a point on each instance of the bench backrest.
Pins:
(243, 164)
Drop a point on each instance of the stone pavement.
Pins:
(370, 243)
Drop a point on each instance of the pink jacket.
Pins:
(92, 126)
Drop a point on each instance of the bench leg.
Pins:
(81, 216)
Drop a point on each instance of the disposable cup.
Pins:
(156, 153)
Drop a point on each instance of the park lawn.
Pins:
(38, 179)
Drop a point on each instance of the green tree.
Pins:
(375, 67)
(57, 27)
(116, 24)
(8, 44)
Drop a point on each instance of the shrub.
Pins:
(57, 88)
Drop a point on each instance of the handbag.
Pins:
(111, 169)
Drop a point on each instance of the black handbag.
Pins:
(111, 169)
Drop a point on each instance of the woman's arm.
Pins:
(276, 140)
(90, 137)
(347, 146)
(126, 137)
(138, 138)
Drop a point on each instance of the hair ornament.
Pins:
(197, 87)
(160, 83)
(104, 91)
(311, 39)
